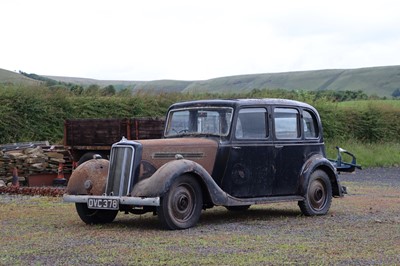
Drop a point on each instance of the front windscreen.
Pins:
(199, 121)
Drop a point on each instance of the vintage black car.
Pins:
(232, 153)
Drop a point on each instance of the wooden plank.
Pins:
(88, 132)
(146, 128)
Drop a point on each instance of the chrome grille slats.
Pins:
(120, 173)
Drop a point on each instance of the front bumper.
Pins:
(135, 201)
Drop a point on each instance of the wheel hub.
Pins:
(317, 195)
(183, 202)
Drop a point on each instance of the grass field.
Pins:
(363, 228)
(368, 103)
(367, 154)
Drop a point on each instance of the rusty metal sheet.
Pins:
(89, 178)
(160, 151)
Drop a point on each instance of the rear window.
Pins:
(286, 122)
(310, 125)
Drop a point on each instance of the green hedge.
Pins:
(33, 114)
(375, 122)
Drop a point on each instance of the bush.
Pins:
(38, 113)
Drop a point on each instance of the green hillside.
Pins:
(101, 83)
(9, 77)
(136, 86)
(380, 81)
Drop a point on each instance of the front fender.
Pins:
(159, 183)
(89, 178)
(320, 162)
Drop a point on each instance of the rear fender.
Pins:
(320, 162)
(160, 182)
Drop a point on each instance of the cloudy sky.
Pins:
(194, 40)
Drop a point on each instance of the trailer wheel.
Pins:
(181, 206)
(86, 157)
(318, 197)
(90, 216)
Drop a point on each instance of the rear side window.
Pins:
(252, 124)
(286, 123)
(310, 125)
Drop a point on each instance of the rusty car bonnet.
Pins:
(159, 151)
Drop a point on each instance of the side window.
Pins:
(252, 124)
(310, 125)
(286, 123)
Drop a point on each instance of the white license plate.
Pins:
(103, 203)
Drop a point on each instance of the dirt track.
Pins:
(363, 228)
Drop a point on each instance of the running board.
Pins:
(233, 201)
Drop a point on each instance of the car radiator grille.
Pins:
(120, 176)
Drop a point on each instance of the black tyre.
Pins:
(87, 156)
(180, 207)
(238, 208)
(91, 216)
(318, 197)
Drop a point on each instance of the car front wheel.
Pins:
(181, 206)
(318, 197)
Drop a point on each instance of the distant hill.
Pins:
(9, 77)
(382, 81)
(154, 86)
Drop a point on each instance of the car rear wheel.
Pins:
(91, 216)
(318, 196)
(181, 206)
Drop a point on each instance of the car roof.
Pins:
(240, 102)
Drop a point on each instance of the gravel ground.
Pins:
(363, 228)
(376, 176)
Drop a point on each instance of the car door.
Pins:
(296, 138)
(287, 155)
(248, 170)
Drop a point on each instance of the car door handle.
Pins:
(278, 146)
(236, 147)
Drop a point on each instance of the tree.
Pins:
(76, 89)
(125, 92)
(108, 91)
(92, 90)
